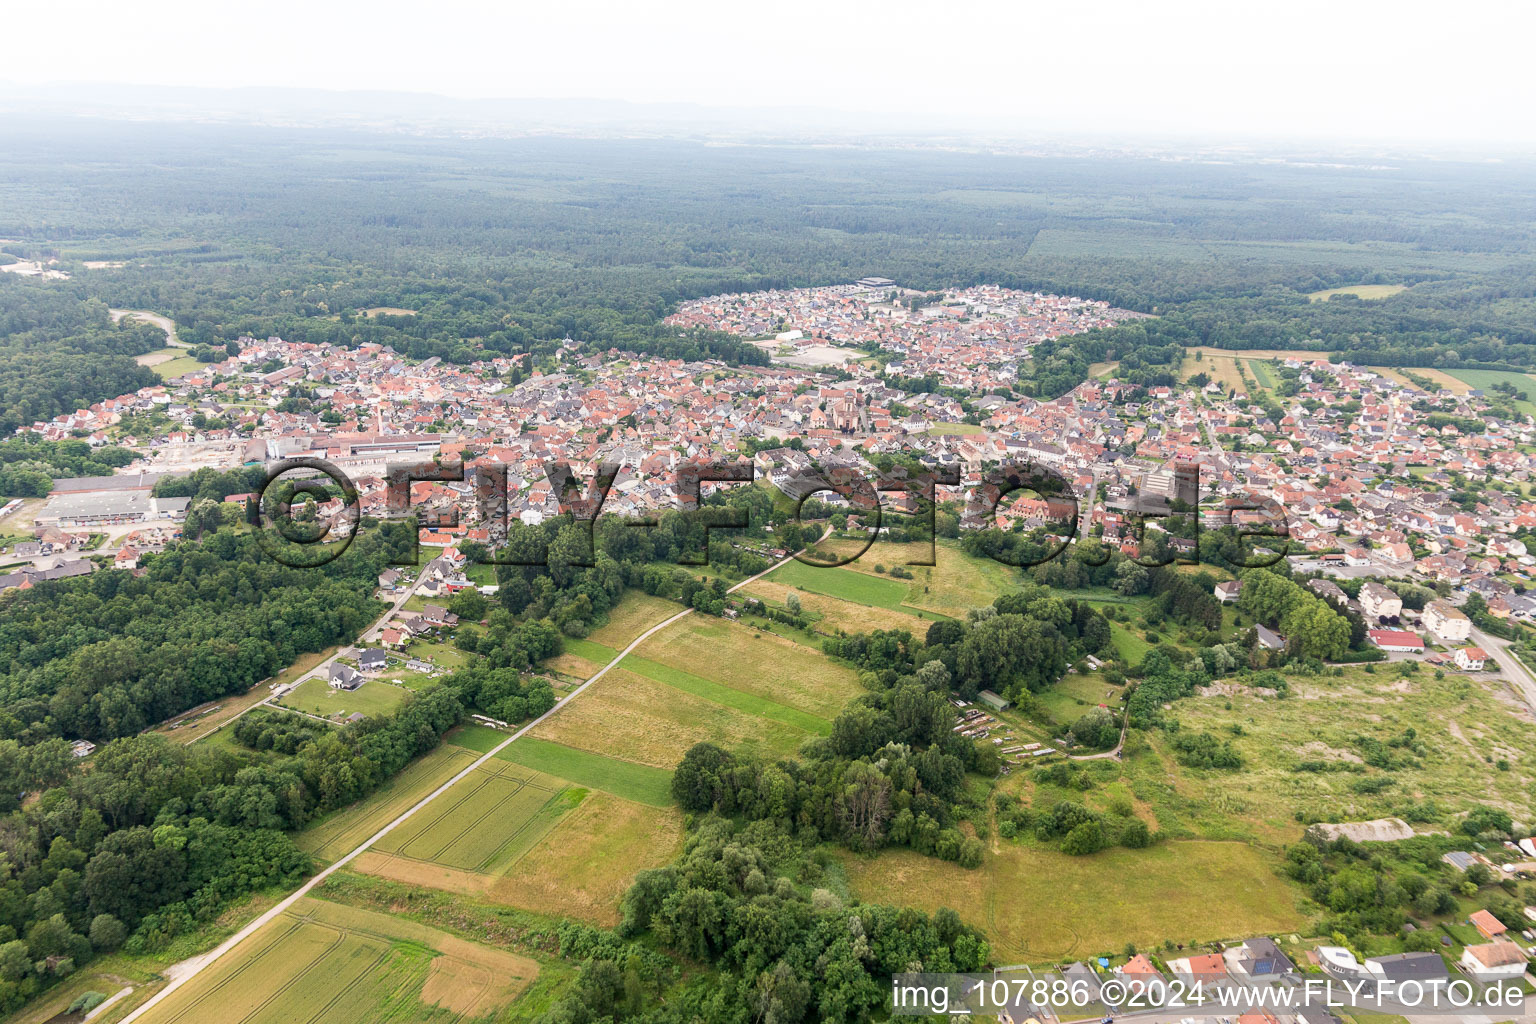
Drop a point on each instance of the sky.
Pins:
(1339, 70)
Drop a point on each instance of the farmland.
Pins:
(340, 832)
(654, 723)
(1038, 905)
(1484, 380)
(626, 779)
(950, 588)
(486, 821)
(832, 614)
(770, 667)
(323, 961)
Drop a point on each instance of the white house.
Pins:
(1492, 961)
(1378, 601)
(1447, 622)
(1470, 659)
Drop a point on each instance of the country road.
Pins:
(190, 969)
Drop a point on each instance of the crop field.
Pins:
(1263, 373)
(342, 831)
(637, 782)
(486, 821)
(317, 697)
(739, 700)
(581, 868)
(1440, 378)
(324, 962)
(1359, 291)
(768, 666)
(636, 613)
(1038, 904)
(1310, 752)
(1220, 368)
(1484, 380)
(654, 723)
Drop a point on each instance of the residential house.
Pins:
(1258, 959)
(1470, 659)
(1228, 591)
(1269, 639)
(1379, 602)
(344, 677)
(1491, 961)
(372, 660)
(1447, 622)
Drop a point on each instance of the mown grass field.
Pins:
(628, 715)
(1222, 369)
(955, 429)
(764, 665)
(626, 779)
(1484, 380)
(342, 831)
(1039, 905)
(317, 697)
(843, 583)
(725, 696)
(323, 961)
(486, 821)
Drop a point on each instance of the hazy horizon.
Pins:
(1196, 71)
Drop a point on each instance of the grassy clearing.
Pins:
(171, 368)
(654, 723)
(952, 587)
(486, 821)
(317, 697)
(343, 831)
(1464, 725)
(768, 666)
(833, 614)
(625, 779)
(325, 961)
(590, 651)
(751, 703)
(954, 429)
(1039, 905)
(582, 868)
(1076, 695)
(636, 613)
(1359, 291)
(1484, 380)
(842, 583)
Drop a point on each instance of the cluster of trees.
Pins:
(1368, 892)
(1079, 830)
(108, 654)
(156, 838)
(744, 899)
(891, 773)
(1315, 628)
(29, 464)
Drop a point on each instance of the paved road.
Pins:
(1514, 670)
(192, 968)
